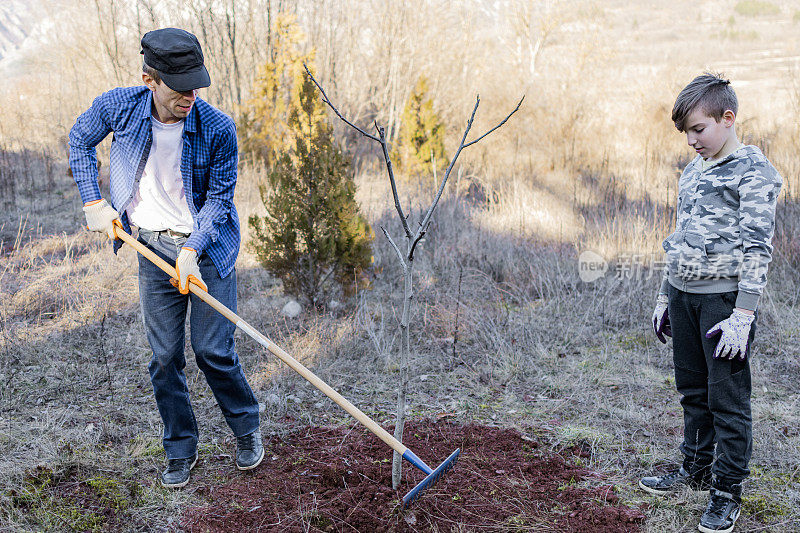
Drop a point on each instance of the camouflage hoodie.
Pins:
(723, 232)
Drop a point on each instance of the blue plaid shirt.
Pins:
(208, 165)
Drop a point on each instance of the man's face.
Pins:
(169, 106)
(705, 134)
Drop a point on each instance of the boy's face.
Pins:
(706, 135)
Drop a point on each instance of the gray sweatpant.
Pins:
(715, 392)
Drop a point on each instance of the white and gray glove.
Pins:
(735, 335)
(100, 217)
(661, 323)
(188, 271)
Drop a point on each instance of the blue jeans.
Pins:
(164, 310)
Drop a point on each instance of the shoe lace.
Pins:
(176, 465)
(717, 504)
(671, 476)
(247, 442)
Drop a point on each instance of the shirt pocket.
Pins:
(719, 225)
(694, 244)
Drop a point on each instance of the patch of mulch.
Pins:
(339, 479)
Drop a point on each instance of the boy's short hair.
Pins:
(710, 92)
(150, 71)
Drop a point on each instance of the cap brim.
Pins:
(187, 81)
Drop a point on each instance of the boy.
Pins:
(716, 270)
(173, 172)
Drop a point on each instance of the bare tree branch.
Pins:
(501, 123)
(418, 238)
(412, 240)
(396, 249)
(423, 227)
(330, 104)
(385, 147)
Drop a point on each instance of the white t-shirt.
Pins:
(160, 201)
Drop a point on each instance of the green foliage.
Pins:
(113, 494)
(754, 8)
(762, 503)
(98, 500)
(264, 125)
(765, 507)
(421, 142)
(313, 233)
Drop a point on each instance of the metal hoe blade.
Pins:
(432, 478)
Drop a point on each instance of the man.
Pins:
(173, 172)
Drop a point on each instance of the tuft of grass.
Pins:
(738, 35)
(142, 446)
(114, 494)
(36, 502)
(573, 434)
(756, 8)
(764, 507)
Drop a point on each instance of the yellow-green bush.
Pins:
(421, 142)
(754, 8)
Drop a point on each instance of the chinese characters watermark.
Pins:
(637, 266)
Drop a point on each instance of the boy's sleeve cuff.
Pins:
(664, 286)
(747, 300)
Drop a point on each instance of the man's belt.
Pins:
(168, 232)
(176, 234)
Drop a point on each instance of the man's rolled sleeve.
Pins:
(219, 199)
(91, 127)
(758, 195)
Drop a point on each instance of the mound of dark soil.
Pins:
(339, 479)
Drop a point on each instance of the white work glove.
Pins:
(735, 335)
(188, 271)
(100, 217)
(661, 323)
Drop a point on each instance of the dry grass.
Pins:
(589, 164)
(536, 348)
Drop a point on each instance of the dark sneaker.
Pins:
(249, 451)
(721, 513)
(177, 473)
(675, 480)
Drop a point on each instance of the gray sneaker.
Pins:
(721, 513)
(249, 451)
(177, 473)
(676, 480)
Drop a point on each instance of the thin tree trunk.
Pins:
(407, 260)
(405, 349)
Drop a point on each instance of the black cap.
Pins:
(177, 57)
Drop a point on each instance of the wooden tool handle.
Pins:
(298, 367)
